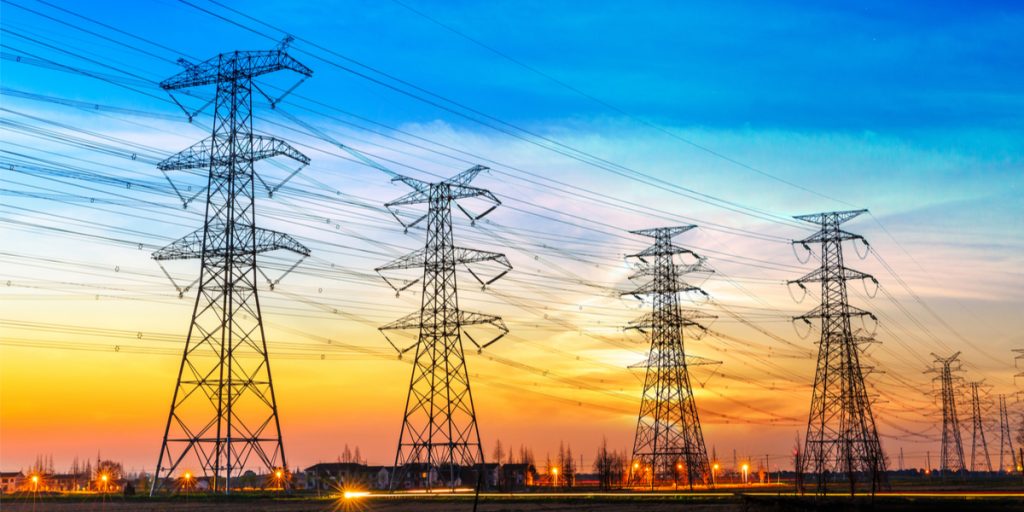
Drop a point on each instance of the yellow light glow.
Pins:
(716, 466)
(104, 478)
(35, 479)
(354, 494)
(279, 474)
(636, 465)
(554, 471)
(679, 466)
(746, 467)
(187, 475)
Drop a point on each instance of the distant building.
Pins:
(517, 477)
(335, 476)
(11, 480)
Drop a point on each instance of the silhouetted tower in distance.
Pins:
(669, 444)
(841, 433)
(952, 457)
(439, 429)
(978, 431)
(1005, 441)
(223, 417)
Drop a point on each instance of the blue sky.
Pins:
(879, 67)
(912, 110)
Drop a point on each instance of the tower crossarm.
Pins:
(687, 317)
(656, 286)
(648, 270)
(463, 256)
(462, 319)
(202, 155)
(821, 312)
(820, 218)
(464, 178)
(818, 275)
(453, 189)
(670, 231)
(190, 246)
(659, 250)
(270, 240)
(824, 235)
(691, 360)
(227, 67)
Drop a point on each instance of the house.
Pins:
(330, 476)
(517, 477)
(10, 480)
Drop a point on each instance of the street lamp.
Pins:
(104, 478)
(187, 477)
(746, 468)
(714, 470)
(35, 483)
(279, 476)
(554, 472)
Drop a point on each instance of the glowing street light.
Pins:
(35, 483)
(279, 477)
(746, 469)
(714, 469)
(554, 472)
(187, 477)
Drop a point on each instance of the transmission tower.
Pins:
(439, 433)
(1005, 441)
(952, 458)
(978, 430)
(223, 417)
(841, 432)
(669, 444)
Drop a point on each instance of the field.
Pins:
(571, 502)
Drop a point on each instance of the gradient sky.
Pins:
(913, 111)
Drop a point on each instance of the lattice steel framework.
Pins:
(439, 432)
(952, 457)
(223, 417)
(1005, 441)
(978, 431)
(841, 434)
(669, 444)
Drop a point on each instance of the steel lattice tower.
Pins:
(223, 416)
(978, 430)
(841, 432)
(669, 443)
(439, 429)
(1005, 441)
(952, 458)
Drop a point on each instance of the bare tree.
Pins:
(604, 466)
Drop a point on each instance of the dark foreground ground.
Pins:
(724, 502)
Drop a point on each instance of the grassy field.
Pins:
(580, 502)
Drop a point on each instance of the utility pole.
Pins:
(952, 457)
(439, 429)
(978, 430)
(1005, 441)
(901, 458)
(668, 432)
(841, 432)
(223, 417)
